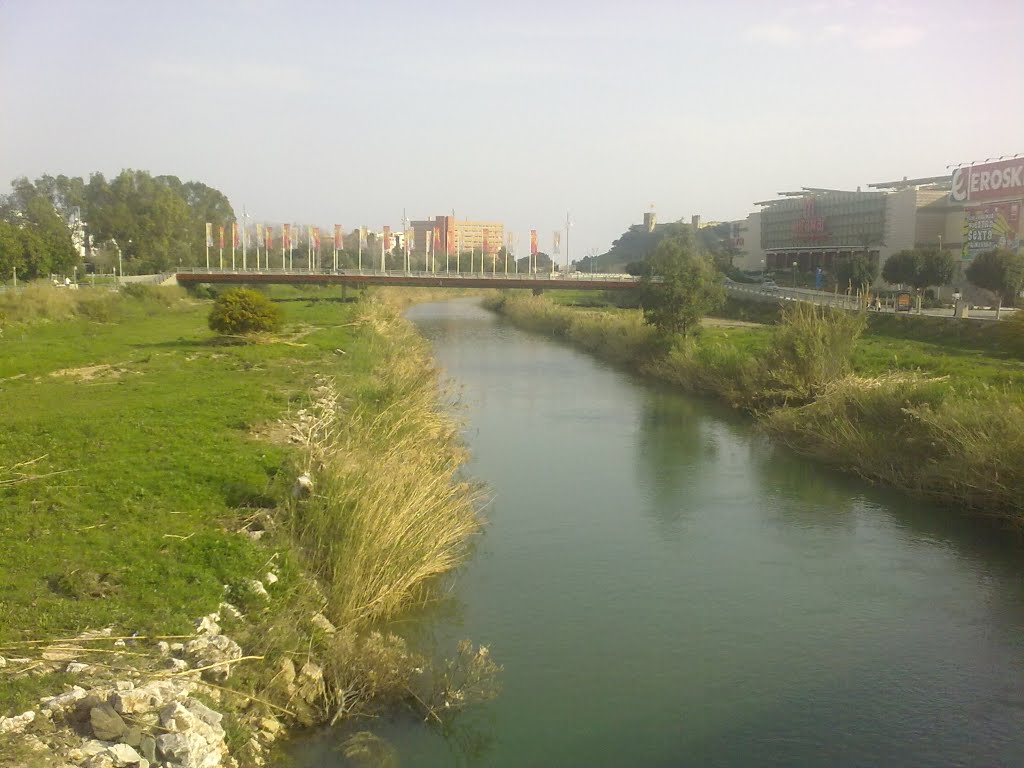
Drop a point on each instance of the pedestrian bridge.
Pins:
(540, 281)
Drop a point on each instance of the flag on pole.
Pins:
(387, 238)
(222, 237)
(487, 241)
(234, 234)
(209, 235)
(449, 230)
(316, 239)
(533, 242)
(269, 229)
(362, 237)
(437, 239)
(286, 236)
(557, 243)
(259, 233)
(338, 239)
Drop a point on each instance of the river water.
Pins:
(664, 587)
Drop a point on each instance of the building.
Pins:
(456, 234)
(816, 227)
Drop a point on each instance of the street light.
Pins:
(794, 275)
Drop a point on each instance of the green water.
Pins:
(665, 587)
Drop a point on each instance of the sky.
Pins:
(522, 112)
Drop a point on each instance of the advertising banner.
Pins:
(533, 242)
(991, 226)
(234, 234)
(437, 239)
(286, 235)
(487, 241)
(903, 302)
(387, 238)
(557, 243)
(449, 231)
(222, 237)
(1001, 180)
(269, 229)
(337, 237)
(209, 235)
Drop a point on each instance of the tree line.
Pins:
(143, 222)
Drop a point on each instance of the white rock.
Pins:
(254, 535)
(120, 644)
(16, 723)
(257, 587)
(123, 755)
(270, 578)
(322, 623)
(164, 647)
(76, 667)
(3, 662)
(151, 696)
(208, 625)
(179, 665)
(177, 647)
(64, 700)
(124, 685)
(213, 649)
(303, 486)
(230, 610)
(101, 760)
(93, 747)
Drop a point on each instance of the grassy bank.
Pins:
(927, 416)
(146, 475)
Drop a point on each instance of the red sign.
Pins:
(1003, 179)
(810, 226)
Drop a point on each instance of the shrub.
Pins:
(243, 311)
(812, 348)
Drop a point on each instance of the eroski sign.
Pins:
(991, 181)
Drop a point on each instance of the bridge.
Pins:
(539, 281)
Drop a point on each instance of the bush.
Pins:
(243, 311)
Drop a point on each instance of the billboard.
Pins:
(991, 226)
(1000, 180)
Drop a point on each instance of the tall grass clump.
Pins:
(919, 435)
(813, 347)
(388, 512)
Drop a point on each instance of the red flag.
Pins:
(449, 229)
(533, 242)
(269, 229)
(222, 237)
(437, 239)
(234, 234)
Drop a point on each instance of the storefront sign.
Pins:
(989, 181)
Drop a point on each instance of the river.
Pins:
(664, 587)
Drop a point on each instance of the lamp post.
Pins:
(794, 275)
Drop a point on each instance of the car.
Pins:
(769, 285)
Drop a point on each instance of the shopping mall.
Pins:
(973, 209)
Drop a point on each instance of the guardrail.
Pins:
(539, 276)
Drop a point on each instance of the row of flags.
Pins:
(290, 234)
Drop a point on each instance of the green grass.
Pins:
(156, 458)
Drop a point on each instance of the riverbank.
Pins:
(928, 418)
(160, 483)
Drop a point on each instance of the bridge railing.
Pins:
(397, 273)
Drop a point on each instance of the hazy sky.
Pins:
(348, 112)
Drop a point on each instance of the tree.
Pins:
(681, 286)
(857, 270)
(1000, 271)
(920, 268)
